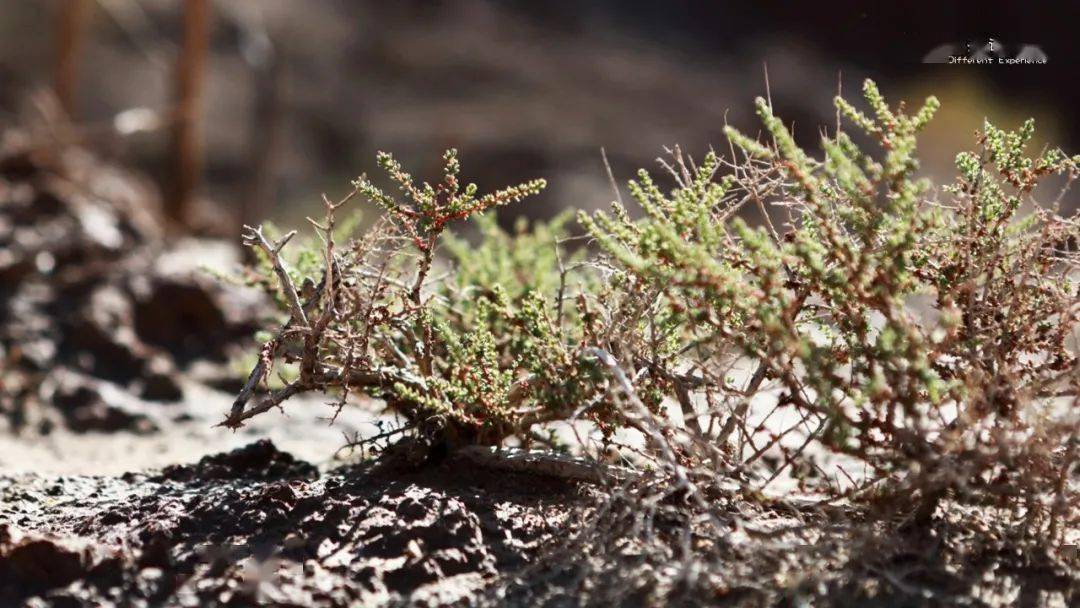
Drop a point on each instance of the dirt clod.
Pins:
(259, 460)
(42, 562)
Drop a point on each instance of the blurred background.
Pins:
(245, 109)
(134, 132)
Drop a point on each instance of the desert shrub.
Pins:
(489, 353)
(923, 333)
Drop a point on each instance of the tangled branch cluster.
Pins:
(921, 338)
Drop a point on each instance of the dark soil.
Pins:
(258, 526)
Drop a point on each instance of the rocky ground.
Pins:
(257, 526)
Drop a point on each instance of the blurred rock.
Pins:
(183, 318)
(159, 381)
(84, 408)
(101, 332)
(83, 296)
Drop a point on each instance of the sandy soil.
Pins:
(186, 432)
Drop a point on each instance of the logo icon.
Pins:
(987, 51)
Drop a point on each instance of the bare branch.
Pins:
(254, 237)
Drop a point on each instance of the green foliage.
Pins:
(487, 354)
(526, 258)
(825, 307)
(428, 209)
(922, 331)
